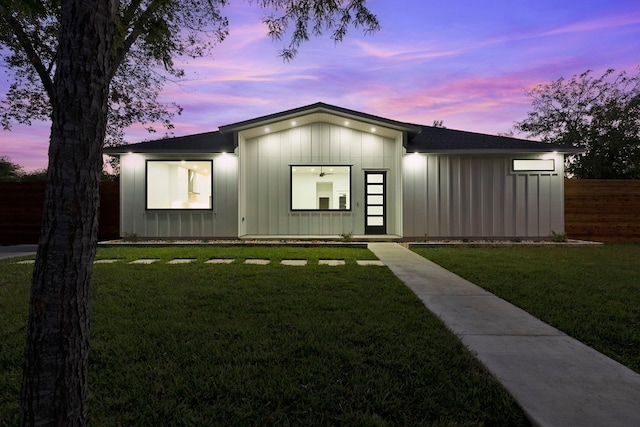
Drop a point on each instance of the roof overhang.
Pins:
(202, 143)
(320, 113)
(542, 150)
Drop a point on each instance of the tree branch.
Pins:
(25, 43)
(137, 30)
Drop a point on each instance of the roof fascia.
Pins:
(562, 150)
(320, 108)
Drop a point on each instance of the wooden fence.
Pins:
(602, 210)
(22, 206)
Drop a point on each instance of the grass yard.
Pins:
(244, 345)
(590, 293)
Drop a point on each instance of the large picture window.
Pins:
(323, 188)
(179, 184)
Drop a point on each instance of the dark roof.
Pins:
(208, 142)
(440, 140)
(423, 139)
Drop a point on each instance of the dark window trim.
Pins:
(317, 165)
(146, 185)
(375, 229)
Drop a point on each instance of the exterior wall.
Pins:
(460, 196)
(201, 224)
(265, 181)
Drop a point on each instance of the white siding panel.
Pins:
(221, 221)
(474, 196)
(267, 202)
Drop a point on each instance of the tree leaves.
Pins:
(314, 17)
(149, 35)
(599, 114)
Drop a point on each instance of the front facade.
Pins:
(323, 171)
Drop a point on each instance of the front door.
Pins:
(375, 211)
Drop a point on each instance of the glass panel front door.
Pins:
(375, 220)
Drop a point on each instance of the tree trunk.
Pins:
(54, 385)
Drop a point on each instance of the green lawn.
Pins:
(590, 293)
(241, 345)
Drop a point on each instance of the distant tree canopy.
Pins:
(599, 114)
(9, 171)
(13, 172)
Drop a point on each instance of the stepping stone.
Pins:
(370, 262)
(144, 261)
(331, 262)
(181, 261)
(27, 261)
(294, 262)
(220, 261)
(257, 261)
(105, 261)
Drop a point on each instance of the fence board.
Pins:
(21, 211)
(602, 210)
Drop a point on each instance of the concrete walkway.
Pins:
(17, 250)
(557, 380)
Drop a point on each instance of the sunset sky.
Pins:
(467, 62)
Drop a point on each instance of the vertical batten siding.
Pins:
(449, 196)
(266, 203)
(218, 222)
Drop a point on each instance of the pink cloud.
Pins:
(27, 146)
(391, 52)
(599, 24)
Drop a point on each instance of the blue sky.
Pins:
(465, 62)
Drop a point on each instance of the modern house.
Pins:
(322, 171)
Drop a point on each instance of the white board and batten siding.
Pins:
(480, 196)
(221, 221)
(265, 179)
(427, 195)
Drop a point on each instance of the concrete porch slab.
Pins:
(254, 261)
(181, 261)
(145, 261)
(375, 262)
(294, 262)
(220, 261)
(331, 262)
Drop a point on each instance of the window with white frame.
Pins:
(533, 165)
(179, 184)
(322, 188)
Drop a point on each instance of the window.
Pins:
(322, 188)
(179, 184)
(532, 165)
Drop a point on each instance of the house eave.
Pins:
(315, 113)
(117, 153)
(494, 151)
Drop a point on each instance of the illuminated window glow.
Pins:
(534, 165)
(323, 188)
(179, 184)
